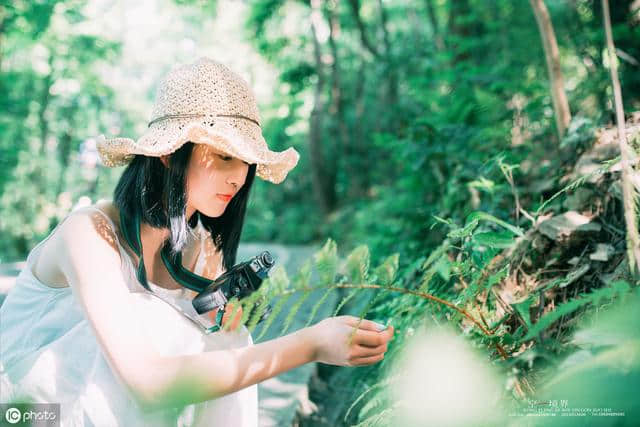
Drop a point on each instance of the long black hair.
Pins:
(158, 195)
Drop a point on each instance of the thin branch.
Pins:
(628, 192)
(355, 9)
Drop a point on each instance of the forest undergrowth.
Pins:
(521, 294)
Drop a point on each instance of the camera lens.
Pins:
(266, 258)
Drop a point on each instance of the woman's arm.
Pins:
(208, 375)
(90, 260)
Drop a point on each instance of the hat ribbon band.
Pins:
(181, 116)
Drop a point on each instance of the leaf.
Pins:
(293, 310)
(357, 264)
(443, 267)
(327, 262)
(476, 216)
(386, 272)
(614, 289)
(318, 304)
(494, 239)
(274, 313)
(523, 309)
(255, 315)
(302, 279)
(464, 231)
(344, 301)
(278, 281)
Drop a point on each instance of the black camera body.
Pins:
(240, 281)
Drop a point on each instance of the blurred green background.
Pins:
(395, 106)
(407, 114)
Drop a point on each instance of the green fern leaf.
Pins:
(294, 309)
(317, 305)
(357, 264)
(465, 231)
(302, 279)
(476, 216)
(277, 282)
(277, 308)
(614, 289)
(384, 382)
(376, 401)
(494, 239)
(263, 304)
(345, 300)
(326, 261)
(386, 272)
(436, 254)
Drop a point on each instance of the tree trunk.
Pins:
(552, 56)
(337, 110)
(629, 194)
(438, 41)
(322, 182)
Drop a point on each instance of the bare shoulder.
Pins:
(84, 226)
(87, 225)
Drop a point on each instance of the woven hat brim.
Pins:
(234, 137)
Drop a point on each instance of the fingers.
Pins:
(367, 325)
(373, 339)
(362, 351)
(360, 361)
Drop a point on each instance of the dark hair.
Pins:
(158, 195)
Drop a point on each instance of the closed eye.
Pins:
(229, 158)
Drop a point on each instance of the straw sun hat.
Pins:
(204, 102)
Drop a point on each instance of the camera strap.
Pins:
(186, 278)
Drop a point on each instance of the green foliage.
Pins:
(326, 262)
(357, 265)
(604, 371)
(386, 272)
(436, 117)
(595, 297)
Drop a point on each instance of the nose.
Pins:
(237, 176)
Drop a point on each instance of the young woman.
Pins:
(91, 322)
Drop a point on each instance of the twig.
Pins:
(628, 192)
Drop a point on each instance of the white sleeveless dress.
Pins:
(49, 354)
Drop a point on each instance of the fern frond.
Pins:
(326, 261)
(344, 301)
(279, 305)
(356, 267)
(376, 401)
(302, 278)
(382, 418)
(294, 309)
(277, 282)
(386, 381)
(259, 311)
(386, 272)
(317, 305)
(609, 292)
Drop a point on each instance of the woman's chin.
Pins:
(212, 212)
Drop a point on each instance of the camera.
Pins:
(240, 281)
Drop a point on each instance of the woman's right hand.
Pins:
(332, 345)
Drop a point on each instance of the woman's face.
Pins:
(211, 174)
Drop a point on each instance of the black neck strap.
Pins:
(131, 233)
